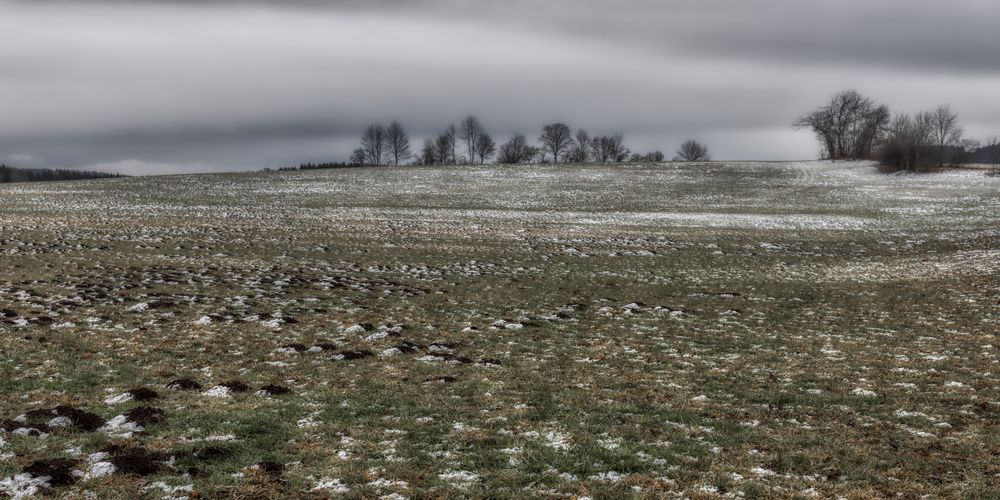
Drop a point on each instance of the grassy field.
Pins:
(757, 330)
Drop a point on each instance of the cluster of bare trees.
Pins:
(470, 143)
(383, 145)
(557, 144)
(470, 135)
(848, 126)
(927, 138)
(853, 127)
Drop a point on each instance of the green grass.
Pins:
(760, 394)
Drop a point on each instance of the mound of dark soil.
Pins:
(145, 415)
(60, 470)
(184, 384)
(275, 390)
(352, 355)
(143, 394)
(235, 386)
(271, 468)
(135, 460)
(84, 420)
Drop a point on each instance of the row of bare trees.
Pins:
(470, 143)
(853, 127)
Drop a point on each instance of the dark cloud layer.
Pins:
(167, 86)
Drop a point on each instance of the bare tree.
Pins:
(600, 149)
(693, 151)
(471, 130)
(358, 157)
(373, 142)
(429, 155)
(616, 148)
(945, 131)
(485, 148)
(397, 143)
(516, 151)
(556, 139)
(908, 142)
(898, 147)
(581, 147)
(923, 134)
(849, 126)
(452, 134)
(445, 147)
(993, 154)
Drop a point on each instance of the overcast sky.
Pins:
(164, 86)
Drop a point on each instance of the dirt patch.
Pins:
(28, 430)
(60, 470)
(275, 390)
(235, 386)
(270, 468)
(143, 394)
(44, 419)
(145, 415)
(352, 355)
(184, 384)
(211, 453)
(135, 460)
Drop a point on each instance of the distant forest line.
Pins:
(13, 174)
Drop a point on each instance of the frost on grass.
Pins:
(218, 391)
(24, 485)
(605, 330)
(121, 427)
(122, 398)
(460, 479)
(330, 486)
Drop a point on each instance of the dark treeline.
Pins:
(318, 166)
(469, 143)
(990, 155)
(851, 126)
(14, 174)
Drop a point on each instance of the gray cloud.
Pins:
(158, 86)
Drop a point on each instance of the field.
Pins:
(746, 329)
